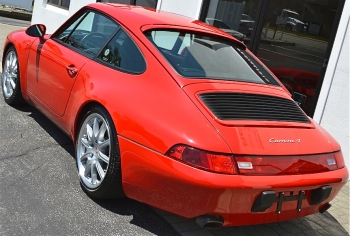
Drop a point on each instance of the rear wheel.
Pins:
(10, 78)
(98, 156)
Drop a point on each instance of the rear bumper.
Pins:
(172, 186)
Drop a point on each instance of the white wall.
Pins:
(182, 7)
(332, 110)
(27, 4)
(53, 16)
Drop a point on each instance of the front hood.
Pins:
(257, 119)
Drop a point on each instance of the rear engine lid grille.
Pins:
(245, 106)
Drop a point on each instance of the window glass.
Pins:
(65, 3)
(294, 44)
(60, 3)
(89, 33)
(55, 2)
(64, 35)
(235, 17)
(122, 52)
(147, 3)
(198, 56)
(218, 24)
(165, 39)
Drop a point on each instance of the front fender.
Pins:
(22, 43)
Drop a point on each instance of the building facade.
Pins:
(304, 42)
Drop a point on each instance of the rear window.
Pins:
(195, 55)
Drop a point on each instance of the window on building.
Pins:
(147, 3)
(235, 17)
(143, 3)
(292, 37)
(60, 3)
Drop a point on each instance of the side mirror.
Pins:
(38, 30)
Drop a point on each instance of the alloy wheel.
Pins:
(10, 74)
(93, 150)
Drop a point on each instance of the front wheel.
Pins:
(98, 156)
(10, 78)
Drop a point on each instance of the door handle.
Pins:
(71, 70)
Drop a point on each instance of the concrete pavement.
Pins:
(333, 222)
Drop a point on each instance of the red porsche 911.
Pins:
(174, 113)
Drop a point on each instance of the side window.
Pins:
(122, 52)
(88, 33)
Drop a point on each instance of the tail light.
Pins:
(289, 165)
(339, 159)
(257, 165)
(202, 159)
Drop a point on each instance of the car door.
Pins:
(54, 64)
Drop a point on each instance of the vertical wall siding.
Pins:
(335, 117)
(332, 110)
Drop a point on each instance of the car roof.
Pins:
(137, 17)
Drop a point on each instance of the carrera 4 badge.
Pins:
(273, 140)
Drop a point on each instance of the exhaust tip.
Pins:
(210, 221)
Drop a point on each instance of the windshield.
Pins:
(194, 55)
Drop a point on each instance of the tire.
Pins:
(10, 78)
(98, 156)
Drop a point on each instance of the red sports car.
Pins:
(174, 113)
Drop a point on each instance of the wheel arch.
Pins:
(7, 46)
(80, 114)
(22, 44)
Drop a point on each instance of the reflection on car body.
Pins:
(301, 84)
(174, 113)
